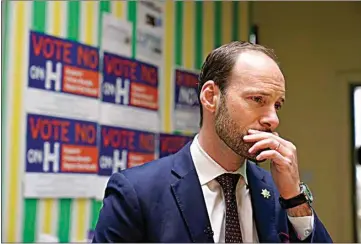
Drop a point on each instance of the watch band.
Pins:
(293, 202)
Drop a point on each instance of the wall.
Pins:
(191, 30)
(318, 45)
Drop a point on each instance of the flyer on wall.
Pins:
(122, 148)
(117, 35)
(150, 31)
(186, 115)
(149, 45)
(151, 13)
(62, 110)
(129, 93)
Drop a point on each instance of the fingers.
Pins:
(255, 135)
(272, 142)
(278, 162)
(273, 155)
(268, 143)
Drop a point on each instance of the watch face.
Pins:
(307, 192)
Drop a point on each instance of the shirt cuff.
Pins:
(303, 225)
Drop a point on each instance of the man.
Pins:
(211, 190)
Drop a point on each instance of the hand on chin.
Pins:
(253, 157)
(283, 156)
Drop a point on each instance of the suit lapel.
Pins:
(264, 208)
(189, 197)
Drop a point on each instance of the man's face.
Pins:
(254, 93)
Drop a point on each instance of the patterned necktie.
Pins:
(228, 183)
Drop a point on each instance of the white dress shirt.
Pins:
(207, 170)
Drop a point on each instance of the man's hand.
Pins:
(283, 156)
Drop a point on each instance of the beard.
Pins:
(231, 134)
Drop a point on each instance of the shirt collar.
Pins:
(208, 169)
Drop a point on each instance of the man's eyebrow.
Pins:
(263, 93)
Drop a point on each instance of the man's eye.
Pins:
(278, 106)
(257, 99)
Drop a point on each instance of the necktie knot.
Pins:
(228, 182)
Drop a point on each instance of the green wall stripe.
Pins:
(198, 57)
(39, 15)
(64, 220)
(217, 23)
(30, 205)
(235, 27)
(104, 7)
(178, 39)
(95, 204)
(4, 68)
(73, 20)
(132, 17)
(178, 52)
(30, 225)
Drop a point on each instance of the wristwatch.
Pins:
(304, 197)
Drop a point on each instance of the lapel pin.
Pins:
(265, 193)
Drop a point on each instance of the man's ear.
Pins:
(209, 96)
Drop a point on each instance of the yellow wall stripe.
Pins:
(15, 125)
(227, 17)
(188, 35)
(168, 63)
(244, 20)
(48, 209)
(55, 216)
(57, 18)
(208, 27)
(89, 19)
(81, 219)
(118, 9)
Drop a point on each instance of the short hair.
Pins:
(220, 62)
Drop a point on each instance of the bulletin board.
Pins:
(92, 87)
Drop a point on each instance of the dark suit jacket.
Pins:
(162, 201)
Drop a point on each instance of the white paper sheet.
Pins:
(117, 35)
(150, 45)
(150, 13)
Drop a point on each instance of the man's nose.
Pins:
(270, 120)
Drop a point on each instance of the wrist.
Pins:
(290, 195)
(300, 211)
(300, 203)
